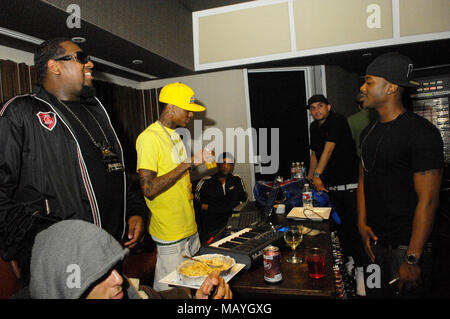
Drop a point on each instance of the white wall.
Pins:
(223, 95)
(15, 55)
(101, 76)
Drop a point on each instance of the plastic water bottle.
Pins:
(302, 165)
(307, 197)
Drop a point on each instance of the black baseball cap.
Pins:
(394, 67)
(317, 98)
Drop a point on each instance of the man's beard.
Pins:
(87, 91)
(221, 174)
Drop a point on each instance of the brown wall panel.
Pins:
(10, 79)
(33, 76)
(147, 108)
(24, 79)
(154, 106)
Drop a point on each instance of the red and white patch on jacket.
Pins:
(47, 119)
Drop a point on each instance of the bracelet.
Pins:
(35, 213)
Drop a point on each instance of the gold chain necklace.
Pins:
(104, 148)
(111, 159)
(376, 148)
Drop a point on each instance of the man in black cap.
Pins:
(399, 180)
(334, 169)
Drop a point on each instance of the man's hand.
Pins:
(318, 184)
(366, 235)
(214, 279)
(203, 156)
(135, 231)
(409, 276)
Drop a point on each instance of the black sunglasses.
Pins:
(79, 56)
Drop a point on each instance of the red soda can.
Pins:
(272, 264)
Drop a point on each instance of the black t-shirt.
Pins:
(108, 187)
(391, 153)
(342, 167)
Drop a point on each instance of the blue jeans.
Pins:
(389, 260)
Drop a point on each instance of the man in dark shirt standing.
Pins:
(399, 180)
(334, 169)
(217, 195)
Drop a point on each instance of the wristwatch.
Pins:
(316, 174)
(411, 259)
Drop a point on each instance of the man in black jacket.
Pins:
(61, 159)
(217, 195)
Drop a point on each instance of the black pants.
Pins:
(387, 262)
(345, 205)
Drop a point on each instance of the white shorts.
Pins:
(169, 257)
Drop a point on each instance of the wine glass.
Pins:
(293, 236)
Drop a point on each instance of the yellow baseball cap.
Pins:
(180, 95)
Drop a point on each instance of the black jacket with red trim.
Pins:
(40, 159)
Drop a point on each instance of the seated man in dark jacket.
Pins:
(217, 195)
(74, 259)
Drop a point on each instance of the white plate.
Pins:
(173, 280)
(319, 213)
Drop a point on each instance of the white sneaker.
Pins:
(360, 286)
(350, 267)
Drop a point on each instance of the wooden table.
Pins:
(296, 283)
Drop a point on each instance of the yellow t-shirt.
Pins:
(172, 212)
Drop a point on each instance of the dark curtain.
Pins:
(125, 107)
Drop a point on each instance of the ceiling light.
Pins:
(137, 61)
(78, 39)
(366, 55)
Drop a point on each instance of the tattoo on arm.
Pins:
(146, 178)
(152, 186)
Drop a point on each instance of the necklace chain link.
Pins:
(99, 145)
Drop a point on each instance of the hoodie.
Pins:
(70, 256)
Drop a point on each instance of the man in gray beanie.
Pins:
(75, 259)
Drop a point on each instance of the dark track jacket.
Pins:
(40, 158)
(220, 205)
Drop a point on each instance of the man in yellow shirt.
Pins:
(163, 166)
